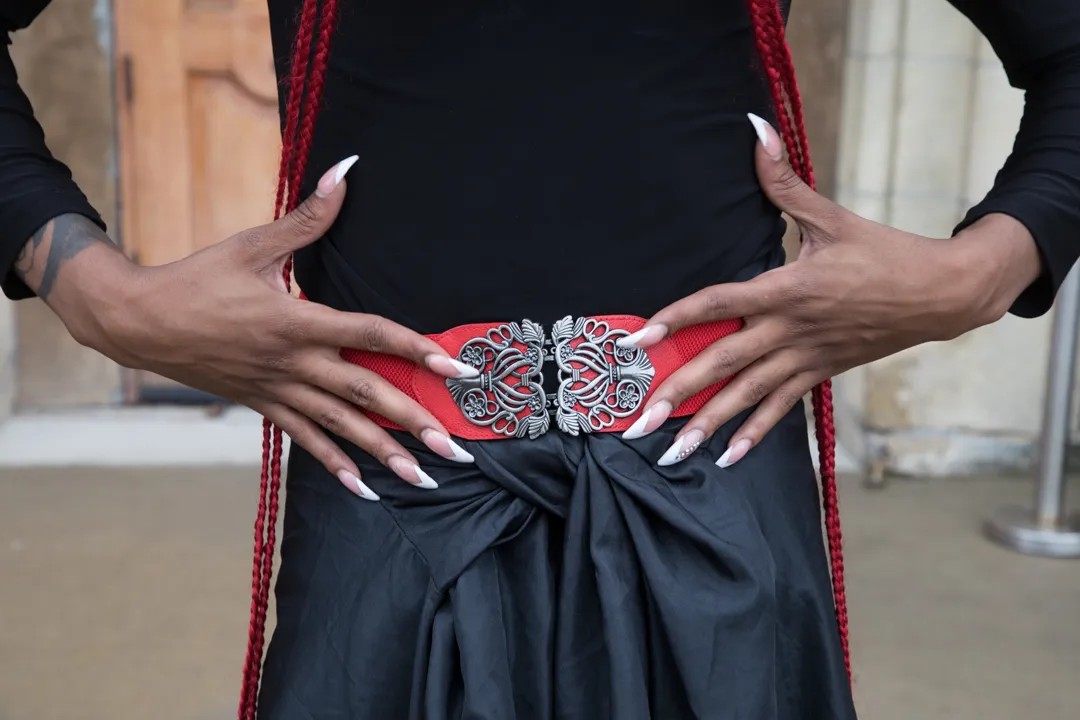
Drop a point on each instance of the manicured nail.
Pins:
(734, 454)
(411, 473)
(353, 483)
(681, 448)
(333, 177)
(643, 338)
(451, 368)
(651, 419)
(441, 444)
(768, 137)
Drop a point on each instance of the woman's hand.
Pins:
(221, 320)
(857, 292)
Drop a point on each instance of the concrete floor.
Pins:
(123, 595)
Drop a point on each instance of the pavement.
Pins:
(124, 596)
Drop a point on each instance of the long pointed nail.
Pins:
(681, 448)
(768, 137)
(441, 444)
(451, 368)
(333, 177)
(651, 419)
(353, 483)
(643, 338)
(411, 473)
(734, 454)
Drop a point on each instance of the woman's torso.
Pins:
(536, 159)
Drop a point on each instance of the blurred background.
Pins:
(126, 502)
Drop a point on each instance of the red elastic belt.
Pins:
(571, 376)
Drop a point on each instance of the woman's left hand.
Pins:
(857, 292)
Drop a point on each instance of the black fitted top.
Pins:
(528, 158)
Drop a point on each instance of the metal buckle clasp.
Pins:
(508, 397)
(599, 382)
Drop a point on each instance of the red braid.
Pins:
(775, 56)
(307, 78)
(306, 82)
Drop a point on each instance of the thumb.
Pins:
(309, 220)
(780, 182)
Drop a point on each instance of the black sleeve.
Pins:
(1038, 42)
(34, 186)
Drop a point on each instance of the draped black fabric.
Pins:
(566, 577)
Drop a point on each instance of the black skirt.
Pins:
(563, 577)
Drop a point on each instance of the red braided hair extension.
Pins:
(306, 83)
(775, 56)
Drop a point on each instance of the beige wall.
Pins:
(929, 118)
(64, 65)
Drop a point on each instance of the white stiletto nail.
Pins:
(681, 448)
(734, 454)
(460, 454)
(759, 127)
(768, 137)
(333, 177)
(444, 446)
(353, 483)
(643, 338)
(426, 480)
(463, 370)
(451, 368)
(411, 473)
(651, 419)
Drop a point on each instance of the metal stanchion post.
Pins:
(1049, 530)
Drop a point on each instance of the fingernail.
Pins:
(768, 137)
(681, 448)
(353, 483)
(643, 338)
(333, 177)
(441, 444)
(451, 368)
(411, 473)
(651, 419)
(734, 454)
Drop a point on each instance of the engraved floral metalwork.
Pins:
(599, 382)
(508, 396)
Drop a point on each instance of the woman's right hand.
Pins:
(221, 320)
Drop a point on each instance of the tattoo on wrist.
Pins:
(55, 243)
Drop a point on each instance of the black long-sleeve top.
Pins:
(534, 159)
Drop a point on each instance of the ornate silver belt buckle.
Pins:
(508, 397)
(599, 382)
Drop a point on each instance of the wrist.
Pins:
(999, 255)
(100, 289)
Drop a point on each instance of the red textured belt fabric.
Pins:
(572, 377)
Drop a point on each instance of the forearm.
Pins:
(73, 266)
(1038, 42)
(1001, 260)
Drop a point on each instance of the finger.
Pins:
(307, 435)
(768, 413)
(305, 224)
(368, 390)
(728, 301)
(781, 184)
(327, 326)
(721, 360)
(338, 418)
(747, 389)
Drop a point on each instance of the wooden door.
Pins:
(198, 120)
